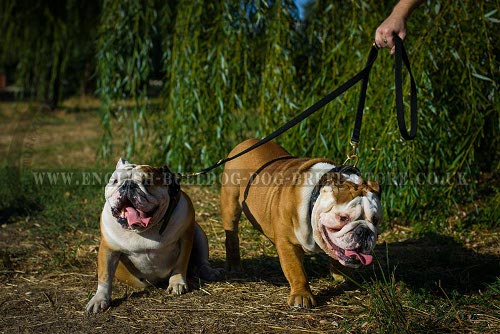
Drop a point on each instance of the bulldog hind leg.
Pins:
(200, 255)
(231, 214)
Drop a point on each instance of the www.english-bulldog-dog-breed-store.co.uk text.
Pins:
(303, 206)
(148, 234)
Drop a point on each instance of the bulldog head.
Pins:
(345, 216)
(138, 195)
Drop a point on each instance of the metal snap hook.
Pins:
(353, 154)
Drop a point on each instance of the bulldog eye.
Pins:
(375, 220)
(344, 219)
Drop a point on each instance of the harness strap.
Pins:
(244, 205)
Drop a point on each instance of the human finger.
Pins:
(381, 38)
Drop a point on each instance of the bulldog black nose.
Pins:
(363, 232)
(365, 237)
(129, 184)
(127, 187)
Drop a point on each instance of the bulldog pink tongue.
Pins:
(135, 217)
(365, 259)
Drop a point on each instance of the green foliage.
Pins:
(386, 308)
(50, 44)
(124, 53)
(61, 216)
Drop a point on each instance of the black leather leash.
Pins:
(401, 55)
(400, 58)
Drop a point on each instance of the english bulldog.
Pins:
(148, 234)
(303, 206)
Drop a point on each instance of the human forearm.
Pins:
(404, 8)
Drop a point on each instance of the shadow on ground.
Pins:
(438, 263)
(432, 262)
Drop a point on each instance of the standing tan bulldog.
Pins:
(148, 234)
(304, 206)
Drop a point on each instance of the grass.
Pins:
(432, 281)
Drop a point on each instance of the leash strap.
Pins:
(363, 76)
(362, 95)
(303, 115)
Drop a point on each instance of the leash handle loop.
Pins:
(402, 57)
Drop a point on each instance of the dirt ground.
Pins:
(439, 280)
(40, 299)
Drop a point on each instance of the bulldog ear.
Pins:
(121, 162)
(375, 187)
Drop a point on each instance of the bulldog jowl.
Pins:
(350, 257)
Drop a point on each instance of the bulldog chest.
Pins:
(154, 264)
(151, 259)
(150, 254)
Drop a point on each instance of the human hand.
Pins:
(394, 23)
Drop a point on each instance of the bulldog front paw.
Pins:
(98, 303)
(303, 299)
(177, 285)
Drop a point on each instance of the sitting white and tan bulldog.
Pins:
(148, 234)
(304, 206)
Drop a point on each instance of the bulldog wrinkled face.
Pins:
(135, 193)
(344, 219)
